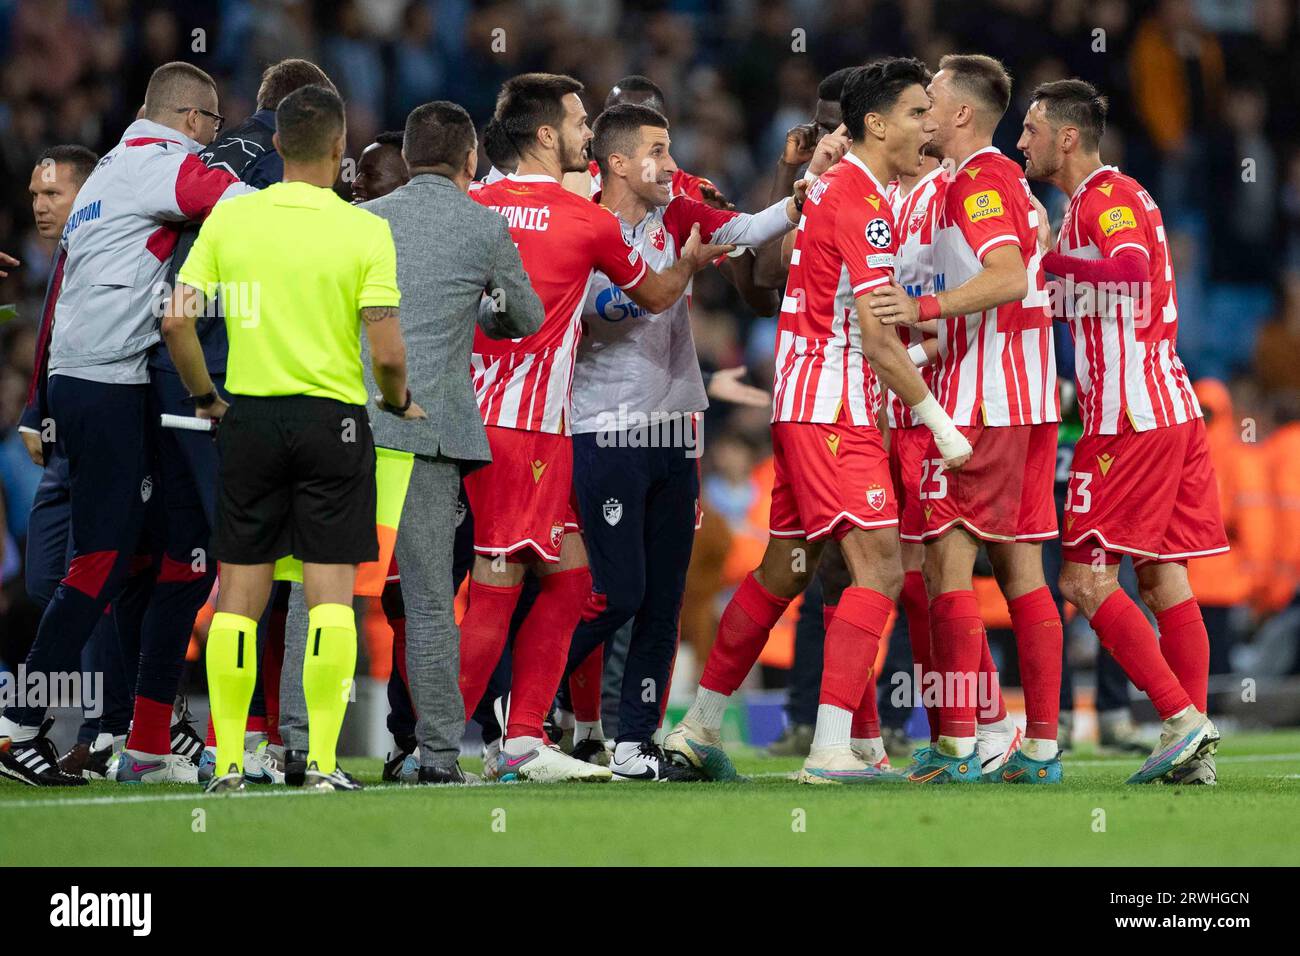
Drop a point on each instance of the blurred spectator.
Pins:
(1277, 350)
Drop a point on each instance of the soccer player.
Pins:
(832, 473)
(118, 241)
(637, 397)
(380, 169)
(1142, 482)
(995, 373)
(297, 457)
(521, 501)
(918, 202)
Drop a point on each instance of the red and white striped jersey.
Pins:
(915, 213)
(995, 366)
(562, 239)
(846, 226)
(1124, 357)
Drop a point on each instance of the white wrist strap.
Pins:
(919, 357)
(950, 442)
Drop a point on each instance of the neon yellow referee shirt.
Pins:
(293, 266)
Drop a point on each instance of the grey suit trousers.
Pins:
(424, 557)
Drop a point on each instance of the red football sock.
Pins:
(483, 633)
(272, 665)
(992, 706)
(852, 641)
(151, 726)
(751, 613)
(916, 608)
(209, 739)
(1039, 637)
(398, 624)
(584, 687)
(542, 649)
(1186, 647)
(255, 725)
(1124, 632)
(958, 639)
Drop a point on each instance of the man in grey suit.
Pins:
(456, 267)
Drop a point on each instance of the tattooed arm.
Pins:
(387, 352)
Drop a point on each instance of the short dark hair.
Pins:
(174, 85)
(649, 91)
(501, 153)
(308, 122)
(438, 134)
(530, 101)
(617, 130)
(281, 79)
(832, 87)
(983, 77)
(1075, 103)
(390, 137)
(875, 88)
(81, 159)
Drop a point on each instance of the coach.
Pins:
(299, 272)
(456, 265)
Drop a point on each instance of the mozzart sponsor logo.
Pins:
(77, 909)
(53, 689)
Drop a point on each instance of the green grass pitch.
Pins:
(1092, 819)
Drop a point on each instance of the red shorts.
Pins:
(1150, 494)
(522, 500)
(1005, 491)
(829, 477)
(907, 449)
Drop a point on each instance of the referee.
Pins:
(299, 271)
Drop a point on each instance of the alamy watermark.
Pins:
(626, 428)
(24, 688)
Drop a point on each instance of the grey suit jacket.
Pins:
(450, 250)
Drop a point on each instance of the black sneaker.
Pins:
(393, 765)
(295, 767)
(186, 741)
(35, 762)
(435, 776)
(591, 750)
(83, 761)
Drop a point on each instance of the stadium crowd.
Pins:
(1202, 110)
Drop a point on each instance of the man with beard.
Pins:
(521, 501)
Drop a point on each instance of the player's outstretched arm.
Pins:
(1003, 279)
(896, 369)
(659, 290)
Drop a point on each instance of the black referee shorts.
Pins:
(297, 477)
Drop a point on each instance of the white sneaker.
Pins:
(1182, 737)
(131, 766)
(701, 748)
(1200, 770)
(995, 743)
(548, 764)
(260, 767)
(830, 765)
(646, 761)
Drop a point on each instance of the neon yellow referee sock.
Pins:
(232, 674)
(327, 678)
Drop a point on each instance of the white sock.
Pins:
(956, 746)
(518, 746)
(872, 749)
(1036, 749)
(834, 724)
(106, 739)
(1004, 726)
(564, 718)
(16, 731)
(625, 750)
(588, 729)
(708, 708)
